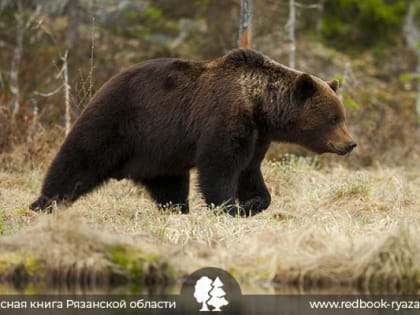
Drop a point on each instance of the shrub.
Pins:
(363, 23)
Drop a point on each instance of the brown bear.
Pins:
(158, 119)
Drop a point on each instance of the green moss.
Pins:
(26, 265)
(135, 266)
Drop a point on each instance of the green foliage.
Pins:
(363, 23)
(416, 16)
(148, 23)
(151, 15)
(350, 103)
(405, 77)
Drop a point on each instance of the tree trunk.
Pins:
(412, 35)
(418, 88)
(292, 39)
(73, 20)
(15, 67)
(245, 24)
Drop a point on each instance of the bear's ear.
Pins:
(334, 85)
(304, 87)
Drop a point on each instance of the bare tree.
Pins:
(245, 24)
(348, 77)
(16, 60)
(22, 26)
(32, 128)
(66, 89)
(291, 27)
(412, 35)
(73, 21)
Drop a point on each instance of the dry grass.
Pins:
(330, 226)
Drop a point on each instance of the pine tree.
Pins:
(217, 295)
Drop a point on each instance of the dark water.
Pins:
(173, 289)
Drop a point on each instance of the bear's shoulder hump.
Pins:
(245, 57)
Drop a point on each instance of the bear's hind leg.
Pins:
(170, 191)
(73, 187)
(69, 177)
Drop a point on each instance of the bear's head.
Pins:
(320, 119)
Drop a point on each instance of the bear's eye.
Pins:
(335, 119)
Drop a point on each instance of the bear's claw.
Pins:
(41, 204)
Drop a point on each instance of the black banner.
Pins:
(209, 290)
(180, 304)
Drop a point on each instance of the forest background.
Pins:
(371, 46)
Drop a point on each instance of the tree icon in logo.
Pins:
(210, 292)
(217, 295)
(201, 292)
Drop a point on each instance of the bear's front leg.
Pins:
(252, 194)
(226, 150)
(218, 186)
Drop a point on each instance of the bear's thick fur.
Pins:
(155, 121)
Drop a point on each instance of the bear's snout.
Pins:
(339, 141)
(350, 146)
(342, 149)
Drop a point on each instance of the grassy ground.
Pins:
(327, 226)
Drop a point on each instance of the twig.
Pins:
(91, 64)
(184, 30)
(32, 129)
(48, 94)
(347, 77)
(308, 6)
(66, 86)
